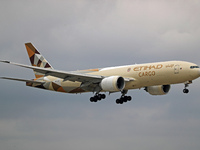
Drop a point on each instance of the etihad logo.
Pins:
(140, 68)
(147, 70)
(170, 66)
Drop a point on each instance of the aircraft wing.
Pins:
(23, 80)
(71, 76)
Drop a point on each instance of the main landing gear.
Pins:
(97, 97)
(123, 98)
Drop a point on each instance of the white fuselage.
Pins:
(160, 73)
(142, 75)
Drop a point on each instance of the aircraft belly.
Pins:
(72, 87)
(57, 84)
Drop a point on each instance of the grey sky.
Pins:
(86, 34)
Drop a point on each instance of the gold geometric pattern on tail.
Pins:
(37, 59)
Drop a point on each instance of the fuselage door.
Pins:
(176, 69)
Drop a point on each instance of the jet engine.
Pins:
(112, 83)
(158, 89)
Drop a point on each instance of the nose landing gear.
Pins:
(185, 90)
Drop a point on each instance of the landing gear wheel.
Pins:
(123, 99)
(103, 96)
(97, 97)
(117, 101)
(129, 98)
(91, 99)
(185, 91)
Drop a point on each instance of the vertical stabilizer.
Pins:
(37, 59)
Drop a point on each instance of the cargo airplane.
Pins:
(155, 78)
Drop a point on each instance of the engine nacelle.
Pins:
(112, 84)
(158, 89)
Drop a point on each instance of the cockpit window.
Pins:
(192, 67)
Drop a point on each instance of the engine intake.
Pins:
(113, 84)
(158, 89)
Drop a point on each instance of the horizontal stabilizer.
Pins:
(23, 80)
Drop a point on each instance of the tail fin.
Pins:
(37, 59)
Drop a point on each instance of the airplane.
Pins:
(156, 78)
